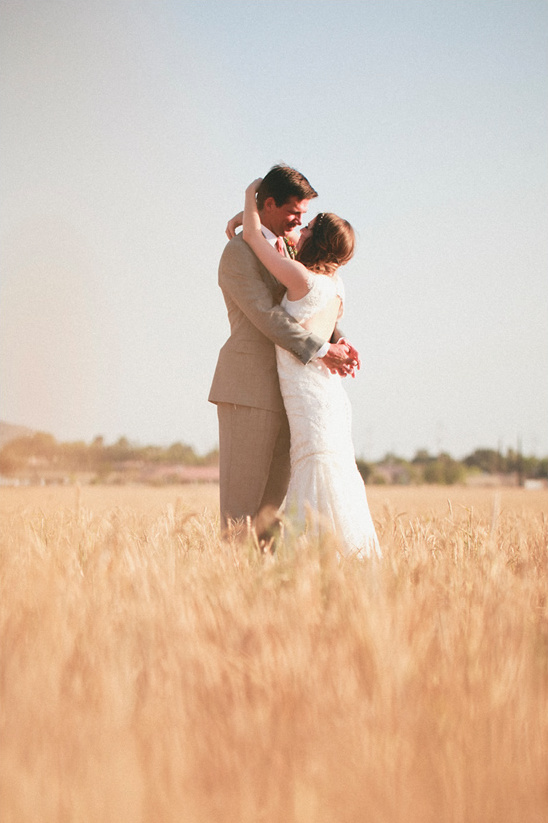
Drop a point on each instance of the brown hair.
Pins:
(330, 245)
(282, 183)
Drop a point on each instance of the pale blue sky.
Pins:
(129, 131)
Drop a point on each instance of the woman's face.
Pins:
(306, 232)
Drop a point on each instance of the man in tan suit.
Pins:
(253, 427)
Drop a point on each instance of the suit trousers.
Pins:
(253, 460)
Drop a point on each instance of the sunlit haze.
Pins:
(129, 132)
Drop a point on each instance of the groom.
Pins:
(253, 427)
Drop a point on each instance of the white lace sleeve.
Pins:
(310, 277)
(322, 289)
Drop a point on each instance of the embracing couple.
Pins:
(284, 416)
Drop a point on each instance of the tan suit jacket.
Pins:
(246, 371)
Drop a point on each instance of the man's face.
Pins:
(283, 219)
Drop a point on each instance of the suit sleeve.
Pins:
(240, 277)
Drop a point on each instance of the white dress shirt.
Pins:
(269, 235)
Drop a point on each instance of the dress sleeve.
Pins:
(310, 277)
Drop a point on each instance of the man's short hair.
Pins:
(282, 183)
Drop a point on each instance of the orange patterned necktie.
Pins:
(280, 245)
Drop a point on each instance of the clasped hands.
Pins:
(342, 358)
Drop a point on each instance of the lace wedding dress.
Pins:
(326, 491)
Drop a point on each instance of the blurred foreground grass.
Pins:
(151, 673)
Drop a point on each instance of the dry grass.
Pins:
(150, 673)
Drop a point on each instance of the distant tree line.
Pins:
(443, 469)
(41, 450)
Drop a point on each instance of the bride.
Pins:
(326, 492)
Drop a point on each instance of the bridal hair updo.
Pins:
(330, 245)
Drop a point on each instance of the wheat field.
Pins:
(151, 673)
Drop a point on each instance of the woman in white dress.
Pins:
(326, 491)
